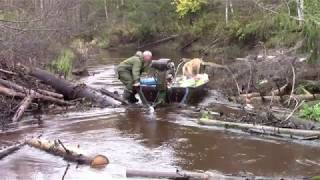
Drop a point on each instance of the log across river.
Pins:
(133, 138)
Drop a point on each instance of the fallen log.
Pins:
(159, 41)
(249, 95)
(10, 92)
(165, 174)
(108, 93)
(49, 93)
(7, 72)
(211, 64)
(311, 86)
(58, 149)
(23, 106)
(279, 91)
(188, 44)
(70, 90)
(9, 150)
(261, 128)
(275, 92)
(306, 97)
(34, 93)
(184, 175)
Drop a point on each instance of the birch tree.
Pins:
(300, 10)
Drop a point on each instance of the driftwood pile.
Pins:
(267, 92)
(58, 91)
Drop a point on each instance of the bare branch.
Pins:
(31, 29)
(26, 21)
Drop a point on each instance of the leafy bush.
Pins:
(310, 112)
(184, 7)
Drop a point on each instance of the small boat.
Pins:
(183, 90)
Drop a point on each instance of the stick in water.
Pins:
(65, 171)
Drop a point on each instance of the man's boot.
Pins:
(129, 96)
(133, 98)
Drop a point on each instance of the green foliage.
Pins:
(9, 15)
(143, 20)
(311, 28)
(185, 7)
(63, 64)
(251, 31)
(147, 20)
(310, 112)
(312, 10)
(315, 178)
(206, 115)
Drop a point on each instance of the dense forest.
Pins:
(41, 30)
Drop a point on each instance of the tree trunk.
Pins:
(300, 8)
(70, 90)
(106, 10)
(231, 7)
(58, 149)
(227, 12)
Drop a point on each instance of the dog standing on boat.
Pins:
(192, 67)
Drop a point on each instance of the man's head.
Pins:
(147, 56)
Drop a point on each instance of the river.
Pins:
(167, 139)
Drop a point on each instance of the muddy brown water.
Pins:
(167, 139)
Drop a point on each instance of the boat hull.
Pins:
(189, 95)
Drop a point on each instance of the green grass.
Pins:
(63, 64)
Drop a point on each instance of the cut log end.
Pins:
(99, 161)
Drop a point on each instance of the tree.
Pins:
(185, 7)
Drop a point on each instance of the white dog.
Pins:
(192, 67)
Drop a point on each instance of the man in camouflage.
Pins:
(130, 70)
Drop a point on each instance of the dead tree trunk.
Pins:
(159, 41)
(48, 93)
(9, 150)
(9, 92)
(166, 174)
(265, 129)
(58, 149)
(70, 90)
(23, 106)
(114, 96)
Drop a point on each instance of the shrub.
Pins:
(310, 112)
